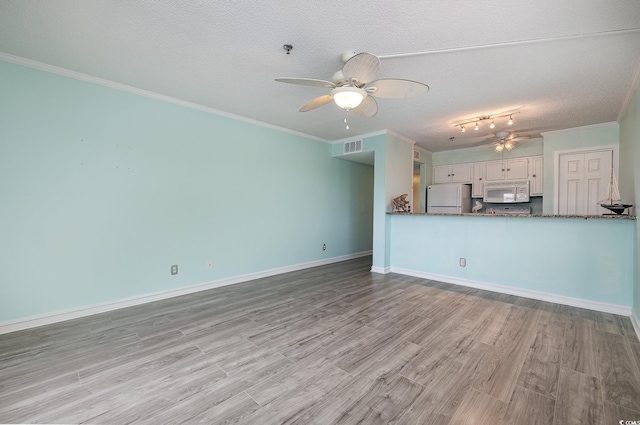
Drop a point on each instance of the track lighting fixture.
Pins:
(481, 118)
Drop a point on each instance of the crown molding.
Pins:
(585, 127)
(17, 60)
(401, 137)
(378, 133)
(421, 149)
(359, 136)
(635, 82)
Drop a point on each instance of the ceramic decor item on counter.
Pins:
(400, 203)
(477, 207)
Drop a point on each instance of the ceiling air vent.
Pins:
(354, 146)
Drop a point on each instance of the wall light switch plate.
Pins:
(463, 262)
(174, 269)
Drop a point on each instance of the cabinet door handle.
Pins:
(534, 175)
(508, 169)
(503, 169)
(480, 178)
(452, 175)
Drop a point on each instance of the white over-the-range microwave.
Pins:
(506, 192)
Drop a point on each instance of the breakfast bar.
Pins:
(578, 260)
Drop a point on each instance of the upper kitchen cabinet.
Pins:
(510, 169)
(457, 173)
(477, 189)
(536, 172)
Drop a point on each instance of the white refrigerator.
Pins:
(452, 198)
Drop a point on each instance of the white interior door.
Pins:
(582, 182)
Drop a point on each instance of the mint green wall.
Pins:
(399, 180)
(578, 138)
(531, 147)
(629, 180)
(399, 168)
(584, 259)
(103, 190)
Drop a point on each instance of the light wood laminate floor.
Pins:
(329, 345)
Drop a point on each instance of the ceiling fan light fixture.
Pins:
(348, 97)
(509, 145)
(499, 147)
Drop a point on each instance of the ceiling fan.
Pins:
(354, 87)
(506, 140)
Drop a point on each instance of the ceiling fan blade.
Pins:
(307, 82)
(394, 88)
(368, 107)
(364, 67)
(316, 103)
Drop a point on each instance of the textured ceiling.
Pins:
(561, 64)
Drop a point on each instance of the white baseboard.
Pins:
(74, 313)
(527, 293)
(636, 324)
(381, 270)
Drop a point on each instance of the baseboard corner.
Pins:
(380, 270)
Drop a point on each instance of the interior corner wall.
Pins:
(629, 180)
(103, 190)
(578, 138)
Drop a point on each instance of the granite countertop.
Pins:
(614, 217)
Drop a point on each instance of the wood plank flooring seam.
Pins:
(245, 391)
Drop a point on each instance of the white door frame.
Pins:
(556, 167)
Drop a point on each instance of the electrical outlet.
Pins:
(463, 262)
(209, 264)
(174, 269)
(324, 246)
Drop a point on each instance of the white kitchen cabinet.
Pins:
(441, 174)
(536, 173)
(494, 171)
(517, 168)
(457, 173)
(509, 169)
(477, 189)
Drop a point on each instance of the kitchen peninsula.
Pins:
(605, 216)
(584, 261)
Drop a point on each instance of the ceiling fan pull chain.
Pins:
(345, 118)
